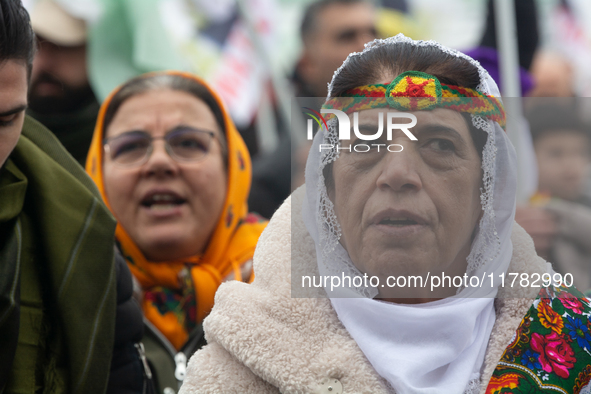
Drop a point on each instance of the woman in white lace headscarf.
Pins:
(444, 205)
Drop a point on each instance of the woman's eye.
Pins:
(189, 143)
(128, 148)
(7, 120)
(442, 145)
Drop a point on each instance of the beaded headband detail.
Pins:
(418, 91)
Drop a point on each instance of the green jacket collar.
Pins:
(76, 232)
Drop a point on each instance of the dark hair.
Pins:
(554, 116)
(17, 40)
(143, 84)
(390, 60)
(309, 21)
(393, 59)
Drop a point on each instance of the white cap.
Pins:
(50, 21)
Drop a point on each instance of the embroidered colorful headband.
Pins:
(417, 91)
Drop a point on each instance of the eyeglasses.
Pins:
(135, 147)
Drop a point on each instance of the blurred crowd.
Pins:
(252, 59)
(258, 64)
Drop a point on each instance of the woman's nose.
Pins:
(399, 171)
(159, 162)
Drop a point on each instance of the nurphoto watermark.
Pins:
(344, 133)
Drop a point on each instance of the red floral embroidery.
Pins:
(571, 303)
(555, 353)
(415, 90)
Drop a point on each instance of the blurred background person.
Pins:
(60, 95)
(558, 216)
(330, 31)
(175, 172)
(553, 75)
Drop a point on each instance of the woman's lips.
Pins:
(399, 223)
(399, 231)
(163, 211)
(162, 204)
(397, 217)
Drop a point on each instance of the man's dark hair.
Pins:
(309, 21)
(555, 115)
(17, 40)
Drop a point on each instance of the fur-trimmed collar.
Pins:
(267, 340)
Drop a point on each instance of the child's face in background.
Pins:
(563, 159)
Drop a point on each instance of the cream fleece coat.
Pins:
(260, 340)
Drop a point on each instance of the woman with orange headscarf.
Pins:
(176, 174)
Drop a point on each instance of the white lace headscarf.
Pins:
(435, 347)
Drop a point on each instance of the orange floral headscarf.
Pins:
(193, 281)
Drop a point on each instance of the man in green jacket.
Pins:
(58, 294)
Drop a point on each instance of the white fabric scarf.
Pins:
(435, 347)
